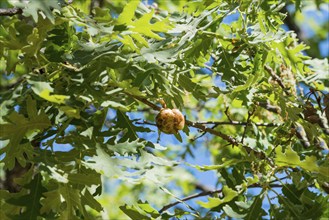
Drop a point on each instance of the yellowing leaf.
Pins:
(43, 89)
(59, 99)
(128, 13)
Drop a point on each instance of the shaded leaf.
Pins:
(88, 199)
(255, 211)
(51, 202)
(32, 200)
(88, 179)
(132, 212)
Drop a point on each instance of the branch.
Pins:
(202, 127)
(301, 135)
(269, 107)
(276, 78)
(10, 11)
(204, 133)
(228, 138)
(233, 123)
(213, 127)
(207, 193)
(227, 114)
(237, 123)
(204, 193)
(201, 187)
(282, 178)
(190, 123)
(145, 123)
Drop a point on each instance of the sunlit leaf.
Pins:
(228, 195)
(44, 90)
(291, 158)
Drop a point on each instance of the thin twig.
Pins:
(144, 110)
(248, 121)
(202, 127)
(282, 178)
(203, 133)
(145, 123)
(227, 114)
(256, 185)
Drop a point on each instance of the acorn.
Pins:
(170, 121)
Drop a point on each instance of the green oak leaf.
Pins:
(229, 194)
(20, 127)
(32, 200)
(292, 159)
(33, 8)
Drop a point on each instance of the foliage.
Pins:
(82, 77)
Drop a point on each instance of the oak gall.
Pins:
(170, 121)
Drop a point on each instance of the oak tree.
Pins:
(83, 80)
